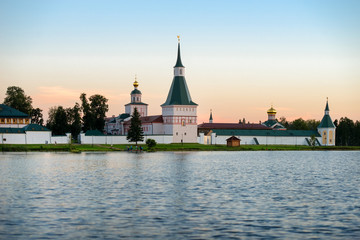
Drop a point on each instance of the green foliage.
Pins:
(300, 124)
(66, 120)
(313, 140)
(58, 121)
(151, 143)
(37, 116)
(16, 98)
(74, 120)
(347, 132)
(94, 112)
(135, 133)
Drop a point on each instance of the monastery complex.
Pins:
(177, 124)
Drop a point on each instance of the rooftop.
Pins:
(6, 111)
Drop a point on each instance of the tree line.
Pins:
(90, 115)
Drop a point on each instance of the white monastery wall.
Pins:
(38, 137)
(13, 138)
(112, 139)
(263, 140)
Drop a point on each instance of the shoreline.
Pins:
(77, 148)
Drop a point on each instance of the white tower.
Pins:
(135, 102)
(179, 111)
(327, 128)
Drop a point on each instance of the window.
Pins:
(21, 120)
(183, 122)
(184, 133)
(27, 121)
(14, 120)
(180, 71)
(2, 120)
(176, 134)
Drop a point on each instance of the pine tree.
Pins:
(135, 133)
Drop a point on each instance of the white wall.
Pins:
(33, 137)
(263, 140)
(61, 139)
(113, 139)
(12, 138)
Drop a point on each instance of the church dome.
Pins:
(136, 84)
(135, 91)
(271, 111)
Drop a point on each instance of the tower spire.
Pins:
(211, 118)
(178, 61)
(327, 106)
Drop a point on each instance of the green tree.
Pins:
(74, 120)
(135, 133)
(345, 134)
(16, 98)
(94, 112)
(312, 124)
(284, 122)
(313, 140)
(298, 124)
(58, 121)
(37, 116)
(99, 108)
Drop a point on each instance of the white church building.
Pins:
(176, 124)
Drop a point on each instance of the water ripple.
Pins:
(198, 195)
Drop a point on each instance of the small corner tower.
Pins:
(211, 118)
(135, 101)
(327, 128)
(179, 111)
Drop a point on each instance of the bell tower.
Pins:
(179, 111)
(135, 101)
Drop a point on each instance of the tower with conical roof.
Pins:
(327, 128)
(135, 101)
(179, 111)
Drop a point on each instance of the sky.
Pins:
(241, 57)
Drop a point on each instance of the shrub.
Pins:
(151, 143)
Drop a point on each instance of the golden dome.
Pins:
(136, 84)
(271, 110)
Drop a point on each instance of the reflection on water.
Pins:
(197, 195)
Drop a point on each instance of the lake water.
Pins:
(194, 195)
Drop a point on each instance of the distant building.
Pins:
(272, 122)
(271, 132)
(15, 128)
(327, 128)
(179, 112)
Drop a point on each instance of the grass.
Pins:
(77, 148)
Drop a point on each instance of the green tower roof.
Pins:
(326, 122)
(179, 93)
(178, 61)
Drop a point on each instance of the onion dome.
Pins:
(136, 84)
(271, 110)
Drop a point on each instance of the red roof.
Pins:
(232, 126)
(149, 119)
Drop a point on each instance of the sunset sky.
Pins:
(240, 56)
